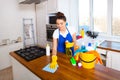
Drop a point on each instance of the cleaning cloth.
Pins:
(48, 69)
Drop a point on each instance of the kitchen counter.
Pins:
(110, 45)
(66, 71)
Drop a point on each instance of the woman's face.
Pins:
(61, 24)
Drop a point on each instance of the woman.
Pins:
(60, 36)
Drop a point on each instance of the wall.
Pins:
(74, 14)
(11, 26)
(11, 15)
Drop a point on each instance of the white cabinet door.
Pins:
(59, 5)
(41, 12)
(112, 59)
(4, 54)
(115, 60)
(22, 73)
(109, 60)
(52, 6)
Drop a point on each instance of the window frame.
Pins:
(92, 18)
(109, 16)
(109, 20)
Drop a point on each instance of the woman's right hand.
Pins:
(53, 64)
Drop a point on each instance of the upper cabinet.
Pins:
(52, 6)
(41, 15)
(58, 5)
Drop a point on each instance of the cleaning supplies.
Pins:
(82, 32)
(87, 60)
(69, 52)
(68, 48)
(73, 62)
(47, 50)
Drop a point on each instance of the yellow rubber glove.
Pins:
(69, 44)
(53, 64)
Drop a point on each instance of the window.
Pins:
(100, 15)
(84, 16)
(116, 18)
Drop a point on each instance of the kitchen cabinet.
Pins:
(114, 60)
(41, 18)
(22, 73)
(4, 54)
(58, 5)
(110, 59)
(52, 6)
(112, 51)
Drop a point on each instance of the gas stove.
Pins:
(31, 53)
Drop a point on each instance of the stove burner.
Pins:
(31, 53)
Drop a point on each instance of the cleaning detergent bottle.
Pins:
(82, 33)
(47, 50)
(68, 50)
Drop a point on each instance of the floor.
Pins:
(6, 74)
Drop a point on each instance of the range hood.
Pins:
(30, 1)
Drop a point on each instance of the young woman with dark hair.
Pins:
(60, 36)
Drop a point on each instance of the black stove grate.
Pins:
(31, 53)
